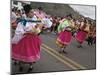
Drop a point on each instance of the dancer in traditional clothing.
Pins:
(94, 35)
(73, 26)
(27, 48)
(90, 35)
(82, 33)
(64, 34)
(39, 13)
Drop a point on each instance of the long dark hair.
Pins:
(27, 8)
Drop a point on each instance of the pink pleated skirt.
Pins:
(81, 36)
(64, 38)
(27, 49)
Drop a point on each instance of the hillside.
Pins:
(56, 9)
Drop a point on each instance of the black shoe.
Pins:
(79, 46)
(30, 69)
(64, 52)
(15, 63)
(20, 68)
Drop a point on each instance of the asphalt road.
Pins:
(51, 61)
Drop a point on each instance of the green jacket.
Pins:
(63, 25)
